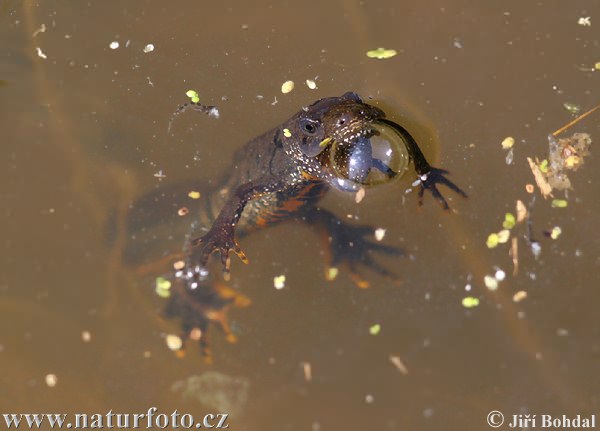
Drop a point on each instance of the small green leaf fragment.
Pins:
(503, 236)
(375, 329)
(163, 287)
(555, 232)
(287, 133)
(572, 108)
(509, 221)
(492, 240)
(597, 65)
(193, 95)
(559, 203)
(544, 166)
(490, 282)
(470, 302)
(381, 53)
(331, 273)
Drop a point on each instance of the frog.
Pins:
(279, 176)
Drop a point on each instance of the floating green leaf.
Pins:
(163, 287)
(509, 221)
(381, 53)
(470, 302)
(193, 95)
(572, 108)
(492, 240)
(559, 203)
(375, 329)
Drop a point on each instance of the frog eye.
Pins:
(308, 127)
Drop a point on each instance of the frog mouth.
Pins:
(349, 135)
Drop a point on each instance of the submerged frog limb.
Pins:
(196, 308)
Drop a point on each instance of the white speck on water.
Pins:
(114, 44)
(148, 48)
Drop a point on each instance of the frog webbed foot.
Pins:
(220, 238)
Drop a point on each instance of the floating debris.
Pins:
(174, 342)
(566, 155)
(521, 210)
(572, 108)
(555, 232)
(332, 273)
(183, 211)
(379, 233)
(307, 369)
(86, 336)
(490, 282)
(470, 302)
(279, 282)
(519, 296)
(311, 84)
(114, 44)
(194, 194)
(585, 21)
(193, 95)
(508, 143)
(492, 240)
(382, 53)
(514, 253)
(397, 362)
(180, 264)
(195, 334)
(559, 203)
(503, 236)
(148, 48)
(163, 287)
(41, 29)
(160, 175)
(51, 380)
(360, 195)
(375, 329)
(287, 133)
(500, 275)
(40, 53)
(509, 221)
(540, 178)
(287, 86)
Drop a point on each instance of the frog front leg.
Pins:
(221, 236)
(429, 176)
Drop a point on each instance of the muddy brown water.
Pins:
(84, 132)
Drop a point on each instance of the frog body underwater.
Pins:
(279, 176)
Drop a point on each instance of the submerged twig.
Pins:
(575, 121)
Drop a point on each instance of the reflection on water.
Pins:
(84, 132)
